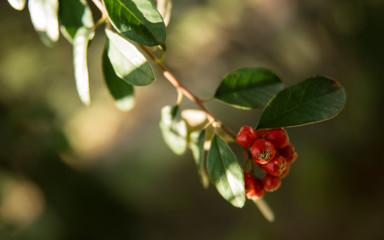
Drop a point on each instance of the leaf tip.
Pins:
(336, 84)
(125, 104)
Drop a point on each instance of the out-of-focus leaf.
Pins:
(128, 62)
(18, 4)
(174, 129)
(44, 16)
(313, 100)
(121, 91)
(138, 20)
(225, 172)
(195, 119)
(248, 88)
(196, 144)
(165, 9)
(74, 14)
(80, 49)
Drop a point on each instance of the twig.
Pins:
(181, 88)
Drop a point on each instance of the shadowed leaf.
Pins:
(313, 100)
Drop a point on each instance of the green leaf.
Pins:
(173, 129)
(248, 88)
(80, 49)
(128, 62)
(44, 19)
(121, 91)
(313, 100)
(74, 14)
(138, 20)
(225, 172)
(18, 4)
(196, 144)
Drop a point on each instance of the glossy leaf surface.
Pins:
(225, 172)
(74, 14)
(173, 129)
(80, 63)
(248, 88)
(17, 4)
(121, 91)
(128, 62)
(313, 100)
(44, 16)
(137, 20)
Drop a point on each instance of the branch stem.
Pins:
(181, 88)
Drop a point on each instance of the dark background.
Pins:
(72, 172)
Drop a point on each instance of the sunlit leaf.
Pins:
(44, 16)
(174, 129)
(18, 4)
(121, 91)
(196, 144)
(74, 14)
(313, 100)
(138, 20)
(128, 62)
(165, 8)
(80, 49)
(195, 119)
(225, 172)
(248, 88)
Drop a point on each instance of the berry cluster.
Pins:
(272, 152)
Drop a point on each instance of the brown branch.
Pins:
(180, 87)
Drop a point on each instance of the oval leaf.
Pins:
(138, 20)
(196, 144)
(74, 14)
(173, 129)
(121, 91)
(17, 4)
(128, 62)
(44, 19)
(313, 100)
(80, 49)
(248, 88)
(225, 172)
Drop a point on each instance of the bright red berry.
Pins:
(253, 186)
(276, 166)
(289, 153)
(271, 183)
(278, 137)
(246, 136)
(262, 132)
(262, 151)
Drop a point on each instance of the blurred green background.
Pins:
(72, 172)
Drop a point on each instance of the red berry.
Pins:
(271, 183)
(286, 171)
(278, 137)
(289, 153)
(253, 186)
(246, 136)
(262, 151)
(276, 166)
(262, 132)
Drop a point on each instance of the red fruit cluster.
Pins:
(272, 152)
